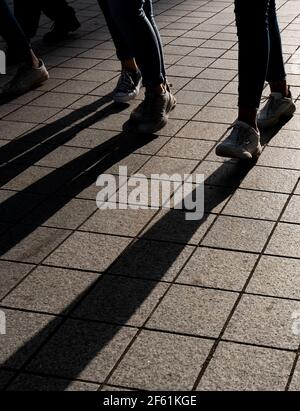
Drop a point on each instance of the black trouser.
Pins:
(28, 13)
(260, 50)
(12, 32)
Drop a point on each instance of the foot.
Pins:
(61, 29)
(152, 114)
(243, 142)
(276, 108)
(26, 78)
(128, 86)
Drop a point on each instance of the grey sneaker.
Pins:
(25, 79)
(152, 114)
(242, 142)
(128, 86)
(276, 108)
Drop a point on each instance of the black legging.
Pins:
(12, 32)
(260, 50)
(28, 13)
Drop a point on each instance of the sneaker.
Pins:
(242, 142)
(152, 114)
(137, 113)
(25, 79)
(128, 86)
(276, 108)
(61, 29)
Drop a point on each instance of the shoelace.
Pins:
(240, 135)
(125, 82)
(270, 100)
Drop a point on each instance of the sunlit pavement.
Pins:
(143, 299)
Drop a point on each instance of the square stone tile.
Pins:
(121, 300)
(202, 131)
(239, 234)
(276, 276)
(256, 204)
(286, 138)
(271, 179)
(194, 97)
(168, 165)
(265, 321)
(223, 100)
(218, 269)
(128, 222)
(34, 383)
(61, 156)
(82, 350)
(280, 157)
(200, 312)
(236, 367)
(51, 290)
(186, 148)
(292, 214)
(217, 115)
(159, 361)
(29, 245)
(25, 332)
(210, 86)
(225, 174)
(87, 251)
(10, 274)
(13, 129)
(285, 241)
(152, 259)
(172, 225)
(56, 100)
(62, 213)
(295, 384)
(38, 180)
(27, 113)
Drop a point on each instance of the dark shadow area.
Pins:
(75, 343)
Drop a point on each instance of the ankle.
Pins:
(280, 87)
(33, 61)
(129, 65)
(158, 89)
(248, 116)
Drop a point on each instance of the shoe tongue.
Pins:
(277, 96)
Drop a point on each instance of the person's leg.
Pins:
(254, 49)
(14, 36)
(28, 15)
(124, 53)
(152, 114)
(148, 8)
(32, 72)
(129, 16)
(276, 75)
(129, 82)
(63, 16)
(280, 103)
(243, 140)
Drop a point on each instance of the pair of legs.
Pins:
(136, 38)
(28, 14)
(14, 36)
(139, 48)
(32, 72)
(260, 55)
(260, 60)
